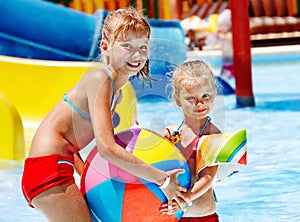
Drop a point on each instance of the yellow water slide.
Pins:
(30, 88)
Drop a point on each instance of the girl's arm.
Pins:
(100, 112)
(206, 177)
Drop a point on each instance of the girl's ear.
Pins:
(177, 101)
(103, 46)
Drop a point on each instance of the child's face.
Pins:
(128, 56)
(196, 99)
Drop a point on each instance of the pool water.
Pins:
(268, 189)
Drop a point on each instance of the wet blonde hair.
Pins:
(120, 23)
(190, 72)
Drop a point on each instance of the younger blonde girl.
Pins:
(194, 92)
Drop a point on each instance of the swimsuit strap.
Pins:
(112, 83)
(66, 99)
(201, 132)
(215, 196)
(205, 124)
(110, 76)
(178, 128)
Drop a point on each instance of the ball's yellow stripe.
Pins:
(151, 148)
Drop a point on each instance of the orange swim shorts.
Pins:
(45, 172)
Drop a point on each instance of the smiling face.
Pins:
(124, 43)
(196, 98)
(129, 55)
(194, 89)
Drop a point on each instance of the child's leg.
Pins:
(63, 203)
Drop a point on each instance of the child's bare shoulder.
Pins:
(214, 129)
(172, 127)
(169, 129)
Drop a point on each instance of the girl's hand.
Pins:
(176, 206)
(174, 191)
(165, 209)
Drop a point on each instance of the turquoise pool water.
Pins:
(268, 189)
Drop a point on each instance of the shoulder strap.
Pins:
(205, 124)
(112, 84)
(178, 128)
(66, 99)
(110, 76)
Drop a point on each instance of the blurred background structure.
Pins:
(272, 22)
(41, 37)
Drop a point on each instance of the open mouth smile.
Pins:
(133, 65)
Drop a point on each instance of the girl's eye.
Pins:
(206, 96)
(127, 46)
(191, 98)
(144, 48)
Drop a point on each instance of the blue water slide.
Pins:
(39, 29)
(43, 30)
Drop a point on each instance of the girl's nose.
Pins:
(198, 102)
(139, 52)
(136, 53)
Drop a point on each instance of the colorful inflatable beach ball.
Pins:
(114, 195)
